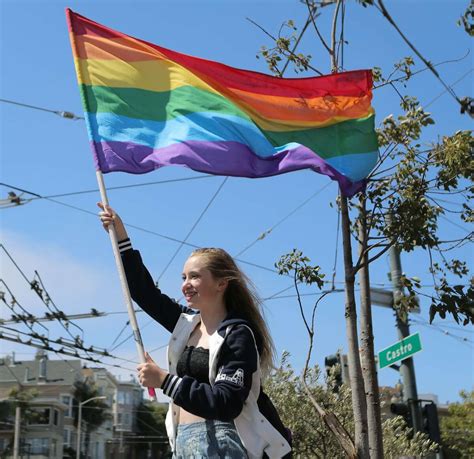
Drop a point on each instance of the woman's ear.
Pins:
(222, 285)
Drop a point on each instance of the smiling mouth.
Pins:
(189, 295)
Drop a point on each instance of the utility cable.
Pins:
(120, 187)
(461, 339)
(154, 233)
(27, 319)
(58, 351)
(267, 232)
(64, 343)
(386, 14)
(214, 196)
(432, 101)
(127, 323)
(63, 114)
(38, 287)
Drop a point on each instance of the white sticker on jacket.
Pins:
(236, 378)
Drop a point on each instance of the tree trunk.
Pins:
(359, 405)
(369, 370)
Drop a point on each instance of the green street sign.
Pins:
(400, 351)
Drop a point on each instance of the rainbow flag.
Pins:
(147, 107)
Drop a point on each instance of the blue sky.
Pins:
(49, 155)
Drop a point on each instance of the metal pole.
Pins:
(407, 368)
(79, 422)
(16, 440)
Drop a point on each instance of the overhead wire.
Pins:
(466, 341)
(201, 215)
(63, 342)
(385, 13)
(38, 287)
(154, 233)
(265, 233)
(26, 319)
(61, 113)
(47, 347)
(432, 101)
(114, 188)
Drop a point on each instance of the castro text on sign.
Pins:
(400, 351)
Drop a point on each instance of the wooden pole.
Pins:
(123, 282)
(369, 370)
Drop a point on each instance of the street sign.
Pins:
(400, 351)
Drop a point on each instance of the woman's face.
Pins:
(199, 286)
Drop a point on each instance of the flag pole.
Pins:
(123, 281)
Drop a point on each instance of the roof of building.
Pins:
(57, 372)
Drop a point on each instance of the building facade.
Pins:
(47, 429)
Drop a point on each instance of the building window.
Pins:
(56, 417)
(40, 416)
(126, 419)
(67, 437)
(54, 447)
(67, 400)
(120, 397)
(39, 446)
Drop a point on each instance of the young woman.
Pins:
(219, 349)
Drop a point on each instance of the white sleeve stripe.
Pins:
(172, 385)
(166, 382)
(124, 245)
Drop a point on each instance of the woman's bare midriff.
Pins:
(185, 417)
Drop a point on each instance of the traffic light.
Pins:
(431, 422)
(402, 409)
(341, 374)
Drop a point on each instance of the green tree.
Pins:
(17, 397)
(405, 197)
(310, 438)
(94, 414)
(457, 429)
(150, 418)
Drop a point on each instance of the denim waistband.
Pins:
(205, 425)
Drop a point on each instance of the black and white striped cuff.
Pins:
(124, 245)
(170, 385)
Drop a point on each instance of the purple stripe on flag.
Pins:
(219, 158)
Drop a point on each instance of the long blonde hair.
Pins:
(241, 299)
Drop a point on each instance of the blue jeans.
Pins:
(208, 439)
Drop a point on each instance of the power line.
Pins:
(120, 187)
(27, 319)
(64, 342)
(47, 347)
(386, 14)
(154, 233)
(466, 341)
(38, 287)
(214, 196)
(63, 114)
(267, 232)
(127, 323)
(445, 91)
(49, 317)
(455, 224)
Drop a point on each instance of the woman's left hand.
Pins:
(150, 374)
